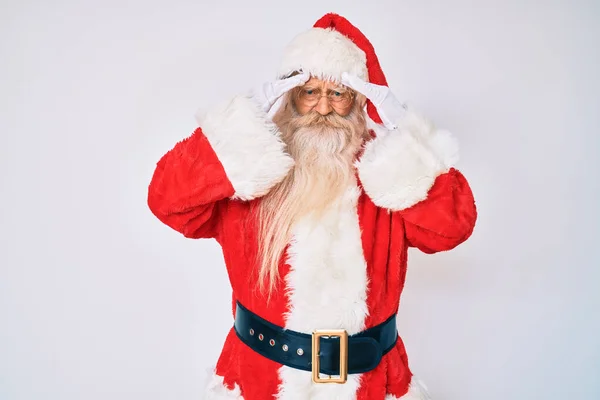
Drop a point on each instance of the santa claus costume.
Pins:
(345, 272)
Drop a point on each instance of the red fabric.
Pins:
(343, 26)
(188, 188)
(445, 219)
(190, 193)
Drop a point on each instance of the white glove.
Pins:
(269, 92)
(388, 107)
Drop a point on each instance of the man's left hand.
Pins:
(388, 107)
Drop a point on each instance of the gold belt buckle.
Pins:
(343, 335)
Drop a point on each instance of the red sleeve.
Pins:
(237, 154)
(446, 218)
(189, 188)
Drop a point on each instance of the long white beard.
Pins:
(323, 169)
(324, 150)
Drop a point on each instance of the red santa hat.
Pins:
(331, 47)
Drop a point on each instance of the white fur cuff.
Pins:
(248, 145)
(399, 167)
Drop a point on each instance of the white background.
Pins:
(99, 300)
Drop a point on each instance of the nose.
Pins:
(323, 107)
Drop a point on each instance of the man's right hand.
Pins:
(267, 94)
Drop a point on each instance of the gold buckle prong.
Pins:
(316, 346)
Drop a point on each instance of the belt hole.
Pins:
(260, 336)
(300, 352)
(251, 332)
(272, 342)
(285, 347)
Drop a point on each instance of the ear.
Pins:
(363, 102)
(361, 99)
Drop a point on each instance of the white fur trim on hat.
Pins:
(324, 53)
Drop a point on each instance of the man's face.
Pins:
(323, 97)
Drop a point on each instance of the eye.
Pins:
(310, 91)
(337, 94)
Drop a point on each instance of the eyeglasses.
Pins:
(338, 97)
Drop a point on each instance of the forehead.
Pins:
(316, 82)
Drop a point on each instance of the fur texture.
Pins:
(216, 389)
(346, 270)
(374, 72)
(248, 146)
(324, 148)
(416, 391)
(184, 197)
(324, 53)
(304, 388)
(365, 248)
(399, 167)
(326, 285)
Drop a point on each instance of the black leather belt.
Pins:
(337, 353)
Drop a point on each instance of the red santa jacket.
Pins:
(348, 272)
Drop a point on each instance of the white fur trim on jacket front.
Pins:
(324, 53)
(398, 167)
(248, 145)
(327, 286)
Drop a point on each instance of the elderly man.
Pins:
(315, 186)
